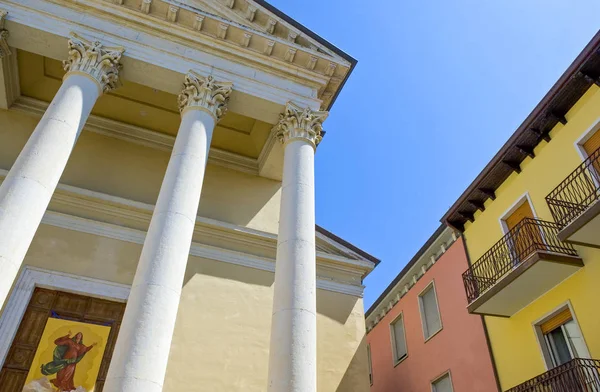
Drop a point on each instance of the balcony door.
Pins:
(524, 238)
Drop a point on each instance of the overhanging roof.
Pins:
(551, 110)
(317, 38)
(348, 245)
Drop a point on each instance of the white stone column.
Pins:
(293, 349)
(26, 191)
(140, 358)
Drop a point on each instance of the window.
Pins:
(370, 364)
(398, 339)
(430, 313)
(442, 384)
(562, 339)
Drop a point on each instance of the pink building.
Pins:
(420, 336)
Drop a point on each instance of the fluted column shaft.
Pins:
(293, 348)
(141, 353)
(30, 183)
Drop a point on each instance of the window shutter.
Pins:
(430, 311)
(524, 211)
(398, 329)
(556, 321)
(592, 144)
(443, 384)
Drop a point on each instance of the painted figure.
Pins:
(67, 354)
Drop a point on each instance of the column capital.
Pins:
(4, 49)
(301, 123)
(101, 63)
(204, 93)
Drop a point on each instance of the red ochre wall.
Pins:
(459, 347)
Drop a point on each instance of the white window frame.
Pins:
(541, 339)
(395, 358)
(446, 373)
(585, 136)
(430, 286)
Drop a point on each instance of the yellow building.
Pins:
(157, 209)
(531, 225)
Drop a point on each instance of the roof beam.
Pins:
(488, 192)
(541, 135)
(528, 150)
(513, 165)
(467, 215)
(558, 117)
(456, 225)
(477, 204)
(590, 78)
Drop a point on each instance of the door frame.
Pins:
(30, 278)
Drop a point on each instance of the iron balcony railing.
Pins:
(528, 236)
(577, 192)
(577, 375)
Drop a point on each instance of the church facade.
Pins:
(157, 204)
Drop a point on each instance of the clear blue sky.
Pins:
(439, 87)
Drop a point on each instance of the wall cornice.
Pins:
(175, 44)
(109, 216)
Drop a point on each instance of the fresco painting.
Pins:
(68, 357)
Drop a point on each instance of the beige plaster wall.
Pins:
(135, 172)
(221, 338)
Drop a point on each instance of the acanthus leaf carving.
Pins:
(100, 62)
(205, 93)
(300, 123)
(4, 48)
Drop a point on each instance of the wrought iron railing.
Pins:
(577, 375)
(577, 192)
(528, 236)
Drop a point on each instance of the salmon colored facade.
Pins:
(460, 347)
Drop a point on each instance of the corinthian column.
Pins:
(140, 358)
(26, 191)
(293, 350)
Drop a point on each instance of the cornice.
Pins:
(141, 136)
(127, 220)
(262, 48)
(163, 46)
(406, 281)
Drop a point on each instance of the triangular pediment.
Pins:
(254, 16)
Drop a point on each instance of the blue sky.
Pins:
(439, 87)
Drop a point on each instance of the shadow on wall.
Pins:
(335, 306)
(356, 377)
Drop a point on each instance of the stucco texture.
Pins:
(221, 338)
(460, 346)
(108, 165)
(516, 349)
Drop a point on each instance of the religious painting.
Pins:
(68, 357)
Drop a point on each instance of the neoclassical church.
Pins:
(157, 202)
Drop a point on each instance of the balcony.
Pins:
(528, 261)
(577, 375)
(574, 204)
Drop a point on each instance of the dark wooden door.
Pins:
(45, 303)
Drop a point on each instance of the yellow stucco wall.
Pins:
(221, 339)
(516, 351)
(118, 168)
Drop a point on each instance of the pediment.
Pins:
(254, 16)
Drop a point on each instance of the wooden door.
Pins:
(45, 303)
(525, 239)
